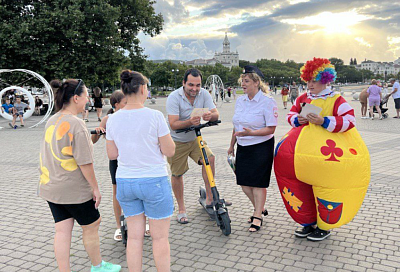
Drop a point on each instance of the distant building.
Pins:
(391, 68)
(226, 57)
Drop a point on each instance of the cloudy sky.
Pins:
(284, 29)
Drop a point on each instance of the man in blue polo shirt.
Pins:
(180, 104)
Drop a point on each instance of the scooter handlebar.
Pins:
(95, 132)
(208, 124)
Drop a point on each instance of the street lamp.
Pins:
(273, 83)
(175, 71)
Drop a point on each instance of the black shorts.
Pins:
(98, 105)
(397, 103)
(84, 213)
(113, 165)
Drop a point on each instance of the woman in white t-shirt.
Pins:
(255, 120)
(138, 137)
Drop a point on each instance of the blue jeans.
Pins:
(151, 196)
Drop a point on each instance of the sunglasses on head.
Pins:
(80, 82)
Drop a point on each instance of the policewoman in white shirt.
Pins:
(254, 121)
(138, 137)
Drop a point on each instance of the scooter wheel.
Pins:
(225, 223)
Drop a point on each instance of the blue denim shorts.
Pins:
(151, 196)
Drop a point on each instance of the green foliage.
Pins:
(275, 72)
(88, 39)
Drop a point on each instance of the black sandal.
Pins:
(257, 228)
(264, 212)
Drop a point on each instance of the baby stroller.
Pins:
(383, 109)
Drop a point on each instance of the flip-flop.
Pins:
(395, 117)
(181, 216)
(116, 234)
(147, 231)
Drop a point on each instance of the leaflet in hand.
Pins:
(309, 108)
(198, 112)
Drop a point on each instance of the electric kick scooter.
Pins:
(217, 211)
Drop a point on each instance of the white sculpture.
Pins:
(214, 84)
(29, 112)
(47, 88)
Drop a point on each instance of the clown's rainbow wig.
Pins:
(318, 70)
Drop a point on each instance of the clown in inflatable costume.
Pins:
(322, 165)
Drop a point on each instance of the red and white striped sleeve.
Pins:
(343, 118)
(295, 110)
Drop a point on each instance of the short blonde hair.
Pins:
(256, 78)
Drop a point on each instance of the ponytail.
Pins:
(65, 91)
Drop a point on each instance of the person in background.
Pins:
(67, 179)
(284, 93)
(385, 90)
(294, 92)
(98, 102)
(364, 103)
(7, 107)
(18, 111)
(38, 105)
(85, 112)
(139, 138)
(396, 96)
(374, 99)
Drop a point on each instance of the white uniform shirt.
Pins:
(257, 113)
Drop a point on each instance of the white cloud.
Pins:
(162, 47)
(293, 2)
(394, 45)
(290, 29)
(330, 22)
(362, 41)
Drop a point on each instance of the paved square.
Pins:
(370, 242)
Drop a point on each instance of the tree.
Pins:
(338, 63)
(355, 61)
(92, 40)
(351, 61)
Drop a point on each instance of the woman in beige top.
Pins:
(67, 180)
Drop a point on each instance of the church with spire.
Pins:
(226, 57)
